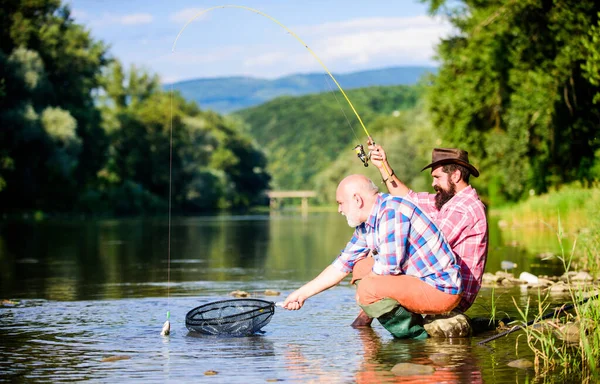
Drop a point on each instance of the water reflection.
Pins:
(447, 361)
(91, 289)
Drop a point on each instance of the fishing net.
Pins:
(237, 317)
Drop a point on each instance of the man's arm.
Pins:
(391, 181)
(326, 279)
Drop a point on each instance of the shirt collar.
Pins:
(374, 211)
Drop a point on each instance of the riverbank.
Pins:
(568, 344)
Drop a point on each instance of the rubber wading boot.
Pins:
(396, 319)
(403, 324)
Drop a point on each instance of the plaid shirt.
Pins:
(404, 241)
(463, 222)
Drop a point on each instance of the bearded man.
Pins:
(455, 208)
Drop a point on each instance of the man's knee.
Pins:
(365, 291)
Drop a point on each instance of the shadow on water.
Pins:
(89, 299)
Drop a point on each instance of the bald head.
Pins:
(357, 184)
(355, 196)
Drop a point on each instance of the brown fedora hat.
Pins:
(442, 156)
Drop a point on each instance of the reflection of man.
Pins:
(412, 271)
(432, 361)
(455, 208)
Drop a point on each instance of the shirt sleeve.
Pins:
(425, 201)
(355, 250)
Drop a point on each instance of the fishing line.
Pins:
(360, 153)
(167, 326)
(291, 33)
(342, 109)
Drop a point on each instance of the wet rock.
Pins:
(111, 359)
(9, 303)
(559, 287)
(440, 359)
(408, 369)
(210, 372)
(582, 276)
(270, 292)
(240, 294)
(569, 333)
(511, 282)
(528, 278)
(454, 324)
(520, 363)
(573, 276)
(542, 283)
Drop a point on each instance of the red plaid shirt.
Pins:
(464, 225)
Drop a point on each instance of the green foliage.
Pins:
(211, 163)
(303, 135)
(48, 69)
(517, 87)
(81, 133)
(591, 66)
(407, 138)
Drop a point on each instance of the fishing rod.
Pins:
(554, 313)
(359, 149)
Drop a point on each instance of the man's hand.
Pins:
(294, 301)
(378, 156)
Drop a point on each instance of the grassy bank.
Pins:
(571, 212)
(567, 344)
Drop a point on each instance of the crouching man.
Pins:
(412, 271)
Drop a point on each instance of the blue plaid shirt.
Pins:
(404, 241)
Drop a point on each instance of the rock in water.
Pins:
(166, 330)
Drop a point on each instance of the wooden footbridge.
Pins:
(274, 196)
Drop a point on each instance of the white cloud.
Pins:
(108, 19)
(185, 15)
(357, 43)
(350, 45)
(136, 18)
(366, 41)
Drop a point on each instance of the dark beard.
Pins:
(442, 196)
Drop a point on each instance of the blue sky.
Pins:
(346, 35)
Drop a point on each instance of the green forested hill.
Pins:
(228, 94)
(302, 136)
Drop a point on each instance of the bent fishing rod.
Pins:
(359, 149)
(554, 313)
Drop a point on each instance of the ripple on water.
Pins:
(66, 341)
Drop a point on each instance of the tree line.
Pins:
(519, 86)
(81, 134)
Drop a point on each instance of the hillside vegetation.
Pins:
(302, 136)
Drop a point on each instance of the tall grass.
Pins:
(549, 340)
(577, 209)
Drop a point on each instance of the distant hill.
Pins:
(229, 94)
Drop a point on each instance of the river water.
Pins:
(85, 300)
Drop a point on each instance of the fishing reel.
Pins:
(360, 152)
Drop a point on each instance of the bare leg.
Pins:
(362, 320)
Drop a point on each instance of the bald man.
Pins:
(412, 271)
